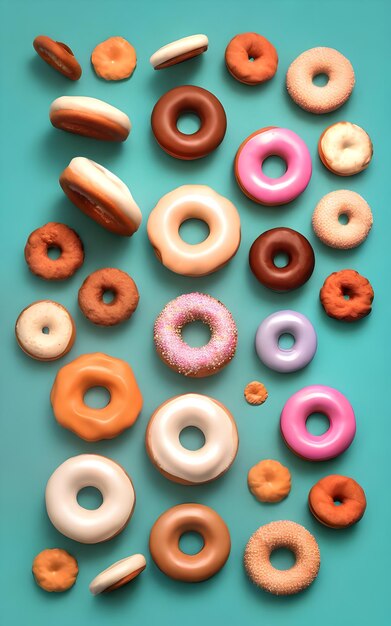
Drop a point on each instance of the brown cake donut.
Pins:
(358, 290)
(54, 235)
(123, 304)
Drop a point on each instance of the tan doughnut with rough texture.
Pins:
(255, 393)
(114, 59)
(55, 570)
(326, 215)
(269, 481)
(345, 149)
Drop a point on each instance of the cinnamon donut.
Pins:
(347, 296)
(54, 235)
(325, 495)
(124, 302)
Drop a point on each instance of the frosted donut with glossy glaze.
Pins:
(179, 51)
(118, 574)
(325, 219)
(345, 149)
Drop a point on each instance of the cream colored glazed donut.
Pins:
(327, 227)
(78, 523)
(192, 467)
(345, 149)
(179, 51)
(45, 330)
(194, 202)
(118, 574)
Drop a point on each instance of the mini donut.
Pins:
(269, 481)
(101, 195)
(114, 59)
(347, 296)
(335, 488)
(282, 534)
(312, 97)
(251, 58)
(345, 149)
(179, 51)
(255, 393)
(118, 574)
(45, 330)
(55, 570)
(89, 117)
(124, 302)
(96, 370)
(54, 235)
(343, 236)
(58, 55)
(195, 362)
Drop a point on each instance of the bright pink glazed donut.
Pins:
(313, 399)
(273, 141)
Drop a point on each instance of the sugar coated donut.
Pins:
(47, 237)
(322, 399)
(118, 574)
(55, 570)
(192, 467)
(179, 51)
(45, 330)
(101, 195)
(58, 55)
(188, 99)
(269, 481)
(347, 296)
(89, 117)
(328, 211)
(255, 393)
(96, 370)
(120, 308)
(114, 59)
(345, 149)
(251, 58)
(269, 332)
(312, 97)
(337, 501)
(273, 141)
(194, 202)
(195, 362)
(167, 531)
(283, 534)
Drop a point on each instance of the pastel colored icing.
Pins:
(34, 341)
(91, 105)
(178, 48)
(346, 148)
(117, 574)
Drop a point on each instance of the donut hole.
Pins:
(196, 334)
(346, 293)
(108, 296)
(89, 498)
(274, 166)
(337, 501)
(188, 123)
(192, 438)
(194, 231)
(191, 543)
(317, 424)
(286, 341)
(46, 330)
(282, 558)
(97, 397)
(54, 252)
(320, 80)
(281, 259)
(343, 219)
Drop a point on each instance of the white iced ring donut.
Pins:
(192, 467)
(179, 50)
(78, 523)
(118, 574)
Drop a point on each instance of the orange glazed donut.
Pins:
(347, 283)
(269, 481)
(244, 47)
(331, 489)
(58, 55)
(124, 302)
(114, 59)
(54, 235)
(55, 570)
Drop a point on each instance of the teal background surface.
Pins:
(353, 583)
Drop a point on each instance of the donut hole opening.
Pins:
(274, 166)
(194, 231)
(343, 219)
(282, 559)
(251, 58)
(346, 293)
(286, 341)
(337, 501)
(97, 397)
(196, 334)
(89, 498)
(281, 259)
(320, 80)
(188, 123)
(46, 330)
(317, 424)
(54, 252)
(192, 438)
(191, 543)
(108, 296)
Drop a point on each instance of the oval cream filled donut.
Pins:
(345, 149)
(118, 574)
(179, 51)
(192, 467)
(325, 219)
(85, 525)
(194, 202)
(101, 195)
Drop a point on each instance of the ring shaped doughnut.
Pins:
(192, 467)
(114, 59)
(58, 55)
(358, 291)
(282, 534)
(54, 235)
(188, 99)
(266, 142)
(330, 208)
(312, 97)
(118, 574)
(270, 330)
(194, 202)
(322, 399)
(167, 531)
(333, 489)
(345, 149)
(85, 525)
(179, 51)
(55, 570)
(96, 370)
(122, 306)
(244, 47)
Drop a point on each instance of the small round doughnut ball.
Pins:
(333, 489)
(55, 570)
(114, 59)
(251, 58)
(122, 306)
(345, 149)
(325, 219)
(358, 291)
(54, 235)
(269, 481)
(255, 393)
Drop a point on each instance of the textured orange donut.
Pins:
(248, 46)
(58, 55)
(335, 488)
(255, 393)
(55, 570)
(124, 302)
(54, 235)
(359, 294)
(114, 59)
(269, 481)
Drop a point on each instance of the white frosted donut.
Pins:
(45, 330)
(334, 234)
(179, 50)
(345, 148)
(78, 523)
(192, 466)
(85, 104)
(118, 574)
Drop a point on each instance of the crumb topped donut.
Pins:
(47, 237)
(114, 59)
(251, 58)
(55, 570)
(325, 219)
(179, 51)
(58, 55)
(358, 291)
(345, 149)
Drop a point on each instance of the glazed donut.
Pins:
(332, 489)
(345, 149)
(55, 570)
(118, 574)
(251, 58)
(45, 330)
(311, 97)
(283, 534)
(96, 370)
(179, 51)
(114, 59)
(192, 467)
(54, 235)
(338, 437)
(347, 296)
(101, 195)
(187, 360)
(334, 234)
(168, 529)
(301, 259)
(273, 141)
(194, 202)
(188, 99)
(85, 525)
(270, 330)
(124, 302)
(58, 55)
(269, 481)
(89, 117)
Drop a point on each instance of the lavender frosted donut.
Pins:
(269, 332)
(187, 360)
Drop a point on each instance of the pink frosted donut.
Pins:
(312, 97)
(334, 234)
(195, 362)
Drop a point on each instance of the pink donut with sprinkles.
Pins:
(196, 362)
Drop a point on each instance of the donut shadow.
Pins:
(268, 598)
(253, 91)
(46, 75)
(161, 81)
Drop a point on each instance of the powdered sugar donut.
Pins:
(118, 574)
(328, 211)
(345, 149)
(179, 51)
